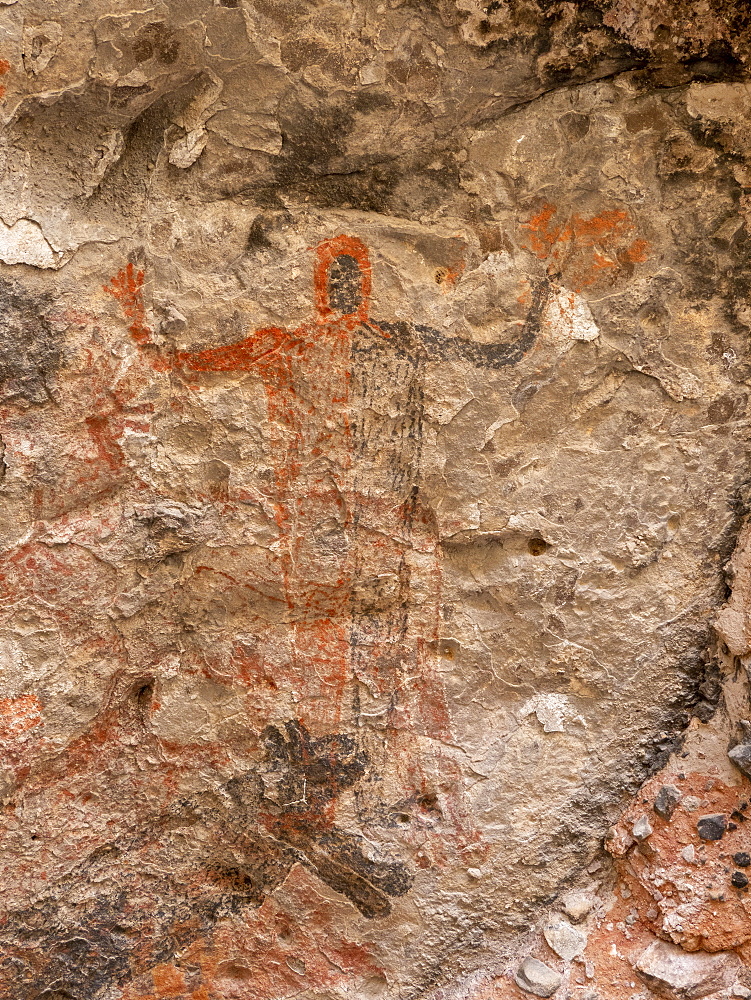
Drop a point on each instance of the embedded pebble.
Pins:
(535, 977)
(566, 941)
(684, 975)
(642, 829)
(712, 827)
(741, 757)
(666, 800)
(576, 905)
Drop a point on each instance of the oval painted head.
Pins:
(342, 280)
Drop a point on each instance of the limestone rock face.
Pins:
(676, 973)
(374, 476)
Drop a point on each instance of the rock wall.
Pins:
(373, 455)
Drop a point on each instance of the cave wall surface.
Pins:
(375, 576)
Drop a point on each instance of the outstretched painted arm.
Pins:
(482, 355)
(240, 357)
(488, 355)
(127, 288)
(438, 347)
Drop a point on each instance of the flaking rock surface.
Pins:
(374, 442)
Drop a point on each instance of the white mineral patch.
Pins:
(567, 317)
(551, 710)
(24, 243)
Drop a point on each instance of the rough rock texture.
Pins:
(373, 450)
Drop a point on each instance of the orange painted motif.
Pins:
(18, 716)
(4, 68)
(127, 288)
(326, 253)
(585, 251)
(109, 390)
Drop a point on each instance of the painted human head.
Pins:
(342, 279)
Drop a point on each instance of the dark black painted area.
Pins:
(142, 898)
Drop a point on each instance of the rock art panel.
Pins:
(374, 500)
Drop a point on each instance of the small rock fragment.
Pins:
(296, 964)
(682, 975)
(641, 829)
(535, 977)
(742, 859)
(186, 150)
(688, 853)
(741, 757)
(666, 800)
(739, 990)
(739, 880)
(617, 842)
(566, 941)
(712, 827)
(40, 44)
(576, 905)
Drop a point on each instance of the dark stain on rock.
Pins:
(314, 164)
(720, 410)
(260, 231)
(695, 692)
(30, 346)
(145, 896)
(345, 284)
(708, 691)
(156, 40)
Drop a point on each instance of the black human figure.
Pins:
(138, 900)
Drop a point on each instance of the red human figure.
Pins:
(358, 549)
(306, 376)
(348, 616)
